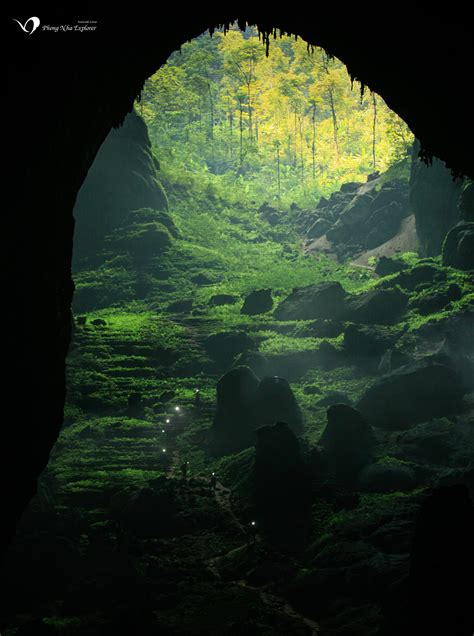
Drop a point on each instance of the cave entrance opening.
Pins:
(223, 190)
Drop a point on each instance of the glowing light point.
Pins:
(164, 450)
(163, 430)
(168, 421)
(177, 408)
(253, 523)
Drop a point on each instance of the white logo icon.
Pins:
(34, 20)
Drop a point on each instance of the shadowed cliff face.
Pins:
(68, 89)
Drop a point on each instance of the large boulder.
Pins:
(423, 273)
(412, 394)
(377, 306)
(225, 345)
(282, 486)
(257, 302)
(389, 475)
(386, 266)
(318, 228)
(439, 442)
(437, 300)
(324, 300)
(458, 247)
(366, 341)
(222, 299)
(276, 402)
(233, 426)
(348, 441)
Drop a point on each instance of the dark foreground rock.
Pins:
(348, 441)
(387, 476)
(245, 403)
(275, 401)
(233, 428)
(442, 560)
(412, 394)
(282, 486)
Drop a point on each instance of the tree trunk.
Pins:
(374, 127)
(250, 111)
(211, 112)
(241, 159)
(313, 144)
(334, 119)
(278, 170)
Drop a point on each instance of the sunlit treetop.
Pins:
(290, 123)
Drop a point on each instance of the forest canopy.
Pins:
(291, 125)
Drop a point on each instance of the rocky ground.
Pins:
(184, 357)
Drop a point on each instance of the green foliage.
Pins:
(289, 126)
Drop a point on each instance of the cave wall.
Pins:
(65, 92)
(123, 177)
(434, 198)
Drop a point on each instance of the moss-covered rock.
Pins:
(325, 300)
(412, 394)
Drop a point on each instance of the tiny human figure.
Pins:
(197, 398)
(213, 482)
(184, 469)
(251, 533)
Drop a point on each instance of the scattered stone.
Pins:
(222, 299)
(412, 394)
(386, 266)
(258, 302)
(180, 306)
(350, 186)
(98, 322)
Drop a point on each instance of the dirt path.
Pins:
(268, 598)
